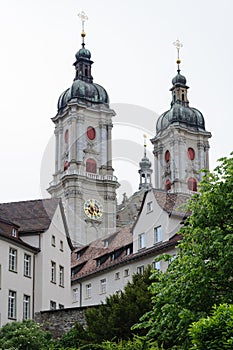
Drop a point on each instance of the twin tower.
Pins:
(84, 177)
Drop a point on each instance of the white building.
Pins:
(34, 258)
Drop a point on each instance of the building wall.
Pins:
(151, 219)
(59, 322)
(116, 279)
(14, 281)
(52, 251)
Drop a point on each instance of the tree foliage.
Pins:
(214, 332)
(202, 273)
(114, 318)
(25, 335)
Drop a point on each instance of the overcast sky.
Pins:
(134, 59)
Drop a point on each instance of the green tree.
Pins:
(202, 273)
(214, 332)
(25, 335)
(114, 319)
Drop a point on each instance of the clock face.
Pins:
(93, 209)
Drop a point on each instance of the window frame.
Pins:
(26, 306)
(12, 259)
(53, 305)
(61, 275)
(88, 288)
(75, 295)
(158, 234)
(149, 207)
(12, 298)
(140, 269)
(53, 272)
(27, 268)
(142, 241)
(103, 286)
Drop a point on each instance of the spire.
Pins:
(83, 56)
(179, 89)
(145, 170)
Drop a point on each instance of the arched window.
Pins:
(67, 136)
(191, 153)
(192, 184)
(167, 156)
(167, 185)
(91, 166)
(91, 133)
(66, 165)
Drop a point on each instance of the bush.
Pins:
(25, 335)
(214, 332)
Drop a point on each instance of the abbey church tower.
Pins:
(181, 146)
(83, 175)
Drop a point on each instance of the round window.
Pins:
(91, 133)
(191, 153)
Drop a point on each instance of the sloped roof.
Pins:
(97, 249)
(173, 203)
(30, 216)
(4, 234)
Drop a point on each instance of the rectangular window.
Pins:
(27, 265)
(61, 306)
(61, 246)
(128, 251)
(117, 275)
(149, 207)
(53, 241)
(156, 265)
(53, 305)
(12, 304)
(75, 295)
(126, 272)
(88, 290)
(61, 276)
(103, 286)
(141, 241)
(14, 232)
(53, 272)
(13, 259)
(26, 307)
(140, 269)
(158, 234)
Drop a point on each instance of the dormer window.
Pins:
(14, 232)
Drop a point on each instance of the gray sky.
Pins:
(134, 59)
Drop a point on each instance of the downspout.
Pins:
(33, 288)
(80, 303)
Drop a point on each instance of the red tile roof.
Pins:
(97, 249)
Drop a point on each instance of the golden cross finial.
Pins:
(82, 15)
(145, 137)
(178, 46)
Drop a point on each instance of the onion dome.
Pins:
(145, 163)
(83, 89)
(180, 113)
(83, 53)
(179, 80)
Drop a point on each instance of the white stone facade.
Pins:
(75, 184)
